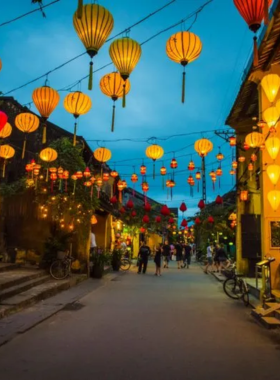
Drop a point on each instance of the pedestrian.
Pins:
(92, 242)
(172, 248)
(157, 260)
(143, 257)
(179, 255)
(209, 255)
(166, 254)
(221, 257)
(188, 255)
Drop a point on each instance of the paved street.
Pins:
(178, 326)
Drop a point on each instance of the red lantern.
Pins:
(3, 120)
(220, 156)
(254, 157)
(183, 207)
(133, 214)
(201, 204)
(244, 195)
(246, 146)
(143, 170)
(191, 165)
(79, 174)
(232, 141)
(173, 163)
(114, 174)
(87, 173)
(142, 230)
(197, 221)
(134, 178)
(120, 189)
(158, 219)
(165, 211)
(130, 204)
(163, 170)
(122, 210)
(171, 220)
(210, 219)
(146, 219)
(114, 200)
(145, 187)
(219, 200)
(106, 177)
(184, 223)
(147, 207)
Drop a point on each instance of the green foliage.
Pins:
(17, 187)
(100, 258)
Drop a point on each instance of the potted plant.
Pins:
(116, 259)
(98, 259)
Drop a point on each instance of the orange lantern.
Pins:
(234, 164)
(48, 155)
(155, 152)
(243, 195)
(145, 187)
(143, 170)
(163, 170)
(198, 178)
(254, 157)
(173, 163)
(191, 166)
(203, 147)
(220, 156)
(74, 178)
(26, 123)
(120, 189)
(232, 141)
(114, 174)
(6, 152)
(87, 173)
(79, 174)
(241, 159)
(106, 177)
(134, 178)
(5, 131)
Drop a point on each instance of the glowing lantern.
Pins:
(125, 54)
(5, 131)
(254, 157)
(106, 177)
(26, 123)
(124, 184)
(234, 164)
(243, 195)
(246, 146)
(219, 172)
(232, 172)
(201, 204)
(3, 120)
(262, 147)
(273, 172)
(112, 85)
(6, 152)
(203, 147)
(273, 146)
(146, 219)
(173, 163)
(261, 124)
(36, 170)
(198, 178)
(220, 156)
(77, 104)
(214, 179)
(183, 47)
(79, 174)
(163, 170)
(114, 174)
(253, 12)
(155, 152)
(87, 173)
(191, 166)
(93, 220)
(120, 189)
(46, 100)
(271, 84)
(271, 115)
(143, 170)
(48, 155)
(241, 159)
(134, 178)
(142, 230)
(254, 139)
(74, 179)
(274, 199)
(93, 24)
(183, 207)
(102, 154)
(212, 174)
(232, 141)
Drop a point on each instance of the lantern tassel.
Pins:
(256, 53)
(44, 138)
(183, 86)
(162, 183)
(74, 189)
(154, 171)
(113, 118)
(266, 13)
(123, 99)
(198, 186)
(75, 135)
(90, 77)
(91, 192)
(23, 148)
(80, 9)
(120, 197)
(4, 169)
(47, 175)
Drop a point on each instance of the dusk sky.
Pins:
(34, 45)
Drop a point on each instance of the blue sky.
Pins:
(34, 45)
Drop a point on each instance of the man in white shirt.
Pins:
(209, 256)
(92, 241)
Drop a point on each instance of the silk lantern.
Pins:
(48, 155)
(154, 152)
(203, 147)
(274, 199)
(26, 123)
(254, 139)
(5, 131)
(183, 47)
(271, 84)
(273, 146)
(6, 152)
(273, 172)
(271, 115)
(3, 120)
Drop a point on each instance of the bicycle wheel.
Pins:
(125, 264)
(232, 289)
(59, 270)
(245, 294)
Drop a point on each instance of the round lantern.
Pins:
(246, 146)
(183, 47)
(125, 54)
(274, 199)
(273, 172)
(219, 172)
(114, 174)
(112, 85)
(145, 186)
(5, 131)
(271, 84)
(77, 104)
(124, 184)
(254, 157)
(241, 159)
(102, 154)
(220, 156)
(79, 174)
(143, 169)
(273, 146)
(3, 120)
(254, 139)
(191, 166)
(87, 173)
(163, 170)
(234, 164)
(203, 147)
(46, 100)
(93, 24)
(155, 152)
(134, 178)
(106, 177)
(271, 115)
(173, 163)
(48, 155)
(6, 152)
(26, 123)
(232, 141)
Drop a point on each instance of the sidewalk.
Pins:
(23, 321)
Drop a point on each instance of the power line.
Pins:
(29, 13)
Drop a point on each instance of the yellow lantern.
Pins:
(6, 131)
(271, 115)
(125, 54)
(93, 24)
(77, 104)
(112, 85)
(254, 139)
(26, 123)
(274, 199)
(183, 47)
(271, 84)
(273, 146)
(6, 152)
(93, 220)
(203, 147)
(155, 152)
(273, 172)
(48, 155)
(45, 99)
(102, 154)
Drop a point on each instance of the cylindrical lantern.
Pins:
(191, 166)
(244, 195)
(232, 141)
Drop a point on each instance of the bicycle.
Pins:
(125, 264)
(236, 287)
(61, 268)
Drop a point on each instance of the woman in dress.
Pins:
(157, 260)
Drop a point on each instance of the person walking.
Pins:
(209, 255)
(166, 254)
(157, 260)
(143, 257)
(188, 255)
(221, 257)
(179, 255)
